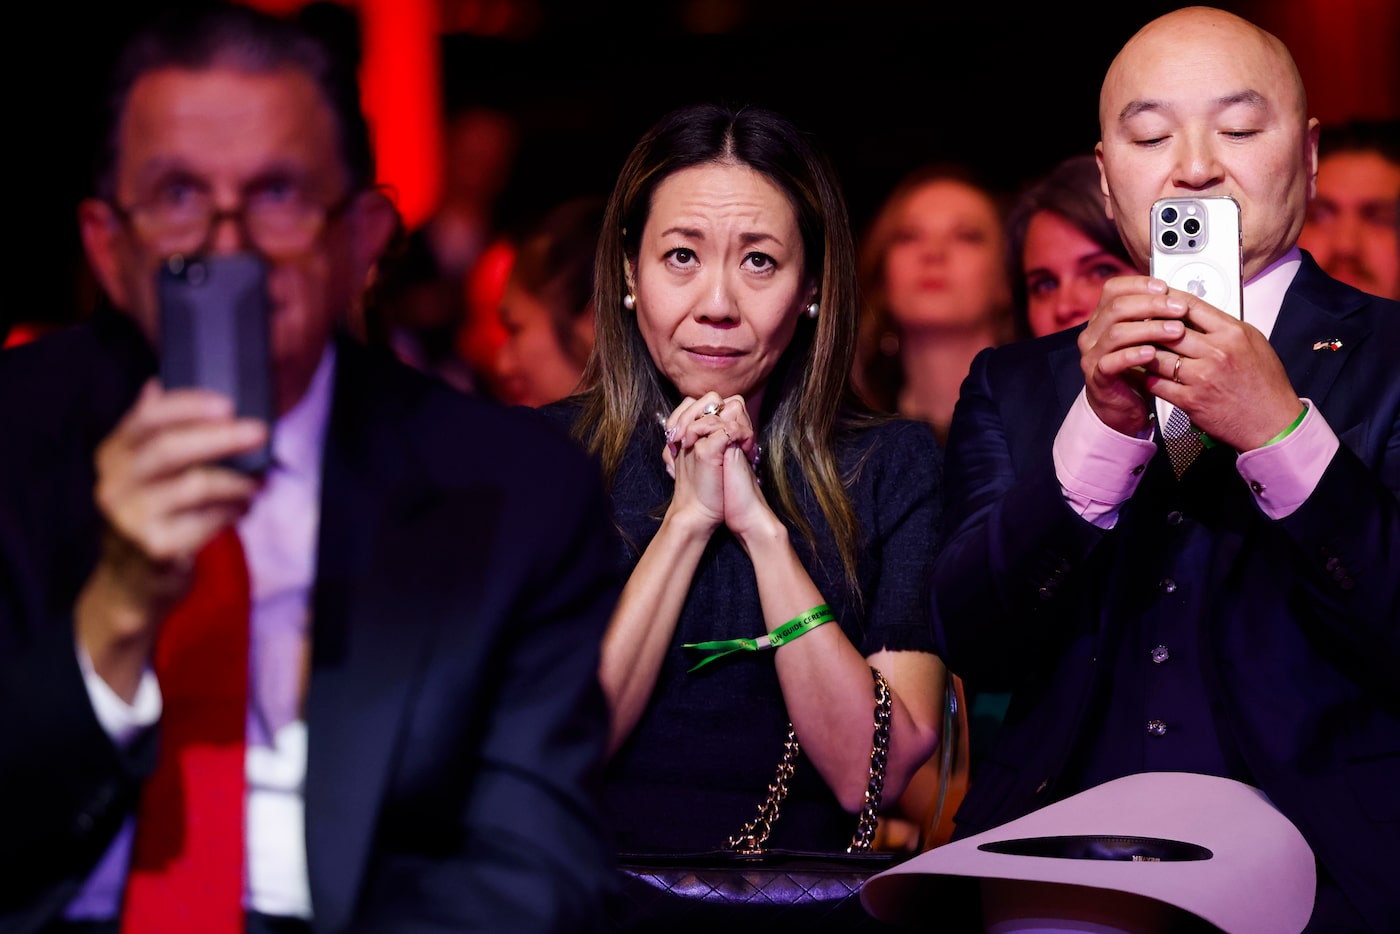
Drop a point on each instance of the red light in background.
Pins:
(401, 89)
(402, 80)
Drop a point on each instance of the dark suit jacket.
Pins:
(1300, 627)
(456, 727)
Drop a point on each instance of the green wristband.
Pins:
(1289, 430)
(784, 634)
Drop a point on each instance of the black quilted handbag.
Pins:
(810, 892)
(746, 882)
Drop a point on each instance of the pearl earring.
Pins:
(629, 301)
(812, 310)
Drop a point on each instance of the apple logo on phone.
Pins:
(1197, 287)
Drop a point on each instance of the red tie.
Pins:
(187, 864)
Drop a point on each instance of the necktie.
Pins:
(1183, 442)
(187, 863)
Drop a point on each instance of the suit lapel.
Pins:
(368, 637)
(1317, 331)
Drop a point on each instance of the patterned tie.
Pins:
(1183, 442)
(187, 863)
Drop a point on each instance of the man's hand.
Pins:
(1135, 315)
(1224, 374)
(163, 497)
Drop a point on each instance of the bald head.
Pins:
(1201, 33)
(1200, 102)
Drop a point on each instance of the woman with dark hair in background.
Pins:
(1061, 248)
(547, 305)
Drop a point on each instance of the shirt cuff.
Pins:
(121, 721)
(1098, 468)
(1284, 474)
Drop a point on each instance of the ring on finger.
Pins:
(666, 429)
(1176, 371)
(714, 408)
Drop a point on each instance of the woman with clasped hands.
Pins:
(755, 497)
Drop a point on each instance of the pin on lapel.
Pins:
(1334, 344)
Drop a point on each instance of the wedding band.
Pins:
(1176, 371)
(714, 408)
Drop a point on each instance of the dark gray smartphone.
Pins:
(214, 333)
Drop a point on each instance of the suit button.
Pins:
(1160, 654)
(1175, 517)
(1166, 585)
(1157, 727)
(1339, 573)
(1046, 593)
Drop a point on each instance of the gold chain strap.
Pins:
(879, 756)
(752, 837)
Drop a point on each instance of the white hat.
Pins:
(1212, 847)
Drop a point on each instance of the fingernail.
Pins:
(1173, 328)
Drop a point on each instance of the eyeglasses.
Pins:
(276, 221)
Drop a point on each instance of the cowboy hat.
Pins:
(1151, 843)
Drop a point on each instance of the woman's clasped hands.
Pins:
(712, 452)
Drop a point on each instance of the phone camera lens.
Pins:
(1169, 238)
(1169, 215)
(1191, 226)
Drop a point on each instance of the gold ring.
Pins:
(1176, 370)
(714, 408)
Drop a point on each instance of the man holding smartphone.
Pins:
(1242, 619)
(429, 575)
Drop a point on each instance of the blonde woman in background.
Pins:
(935, 289)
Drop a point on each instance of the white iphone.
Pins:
(1196, 248)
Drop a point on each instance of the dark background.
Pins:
(883, 85)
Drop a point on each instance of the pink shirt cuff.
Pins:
(1098, 468)
(1284, 474)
